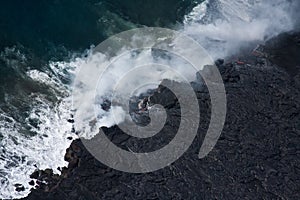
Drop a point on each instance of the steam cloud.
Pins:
(229, 25)
(223, 28)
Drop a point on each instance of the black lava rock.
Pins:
(256, 157)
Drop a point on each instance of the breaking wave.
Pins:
(40, 143)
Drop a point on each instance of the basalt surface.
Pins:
(256, 157)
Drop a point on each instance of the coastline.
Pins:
(256, 155)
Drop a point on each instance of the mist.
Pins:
(227, 26)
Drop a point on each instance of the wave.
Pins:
(43, 142)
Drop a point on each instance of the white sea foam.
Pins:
(197, 13)
(21, 154)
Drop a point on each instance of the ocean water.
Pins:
(43, 44)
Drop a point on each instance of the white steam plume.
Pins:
(222, 28)
(228, 25)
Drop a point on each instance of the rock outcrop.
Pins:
(257, 155)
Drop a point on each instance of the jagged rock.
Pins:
(19, 187)
(257, 155)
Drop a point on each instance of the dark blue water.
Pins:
(77, 24)
(36, 33)
(54, 30)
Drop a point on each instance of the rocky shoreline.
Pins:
(257, 155)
